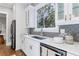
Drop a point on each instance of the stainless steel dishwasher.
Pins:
(47, 50)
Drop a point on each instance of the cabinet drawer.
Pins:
(35, 43)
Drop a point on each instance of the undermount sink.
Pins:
(37, 37)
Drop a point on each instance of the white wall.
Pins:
(9, 20)
(19, 15)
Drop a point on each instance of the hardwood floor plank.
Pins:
(7, 51)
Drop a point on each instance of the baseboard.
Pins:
(8, 44)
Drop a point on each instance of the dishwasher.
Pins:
(47, 50)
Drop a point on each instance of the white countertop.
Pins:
(71, 48)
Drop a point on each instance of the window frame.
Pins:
(49, 29)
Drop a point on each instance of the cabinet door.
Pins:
(30, 14)
(61, 13)
(23, 44)
(72, 13)
(75, 10)
(35, 48)
(74, 16)
(28, 47)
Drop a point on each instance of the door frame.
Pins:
(6, 34)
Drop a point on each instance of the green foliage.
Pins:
(46, 16)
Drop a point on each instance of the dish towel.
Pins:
(51, 53)
(44, 51)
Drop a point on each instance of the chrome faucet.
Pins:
(41, 32)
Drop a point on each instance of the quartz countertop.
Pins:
(70, 48)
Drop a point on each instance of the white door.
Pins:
(35, 48)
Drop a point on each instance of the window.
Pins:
(46, 16)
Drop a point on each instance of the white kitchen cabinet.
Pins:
(35, 48)
(62, 13)
(28, 47)
(30, 17)
(31, 47)
(67, 13)
(23, 44)
(74, 13)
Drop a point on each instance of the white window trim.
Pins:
(54, 29)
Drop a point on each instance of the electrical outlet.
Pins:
(62, 30)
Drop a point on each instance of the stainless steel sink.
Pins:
(37, 37)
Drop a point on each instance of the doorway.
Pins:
(4, 25)
(2, 28)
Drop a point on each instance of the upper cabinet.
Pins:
(50, 15)
(30, 17)
(67, 13)
(61, 11)
(74, 11)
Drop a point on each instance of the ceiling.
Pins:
(6, 5)
(10, 5)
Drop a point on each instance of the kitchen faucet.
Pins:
(41, 31)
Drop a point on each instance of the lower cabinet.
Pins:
(35, 48)
(23, 44)
(31, 47)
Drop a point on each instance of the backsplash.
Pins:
(70, 28)
(73, 29)
(48, 34)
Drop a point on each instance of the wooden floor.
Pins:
(7, 51)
